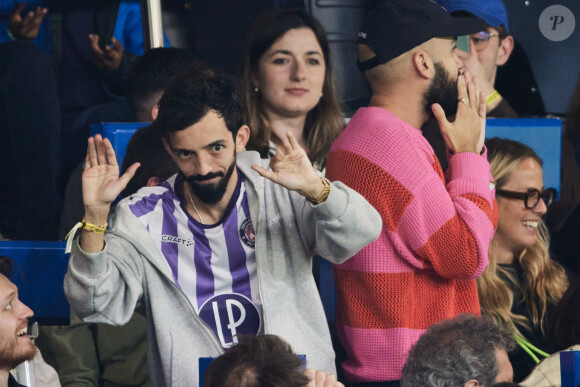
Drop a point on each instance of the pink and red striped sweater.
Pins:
(434, 243)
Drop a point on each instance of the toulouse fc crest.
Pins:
(247, 233)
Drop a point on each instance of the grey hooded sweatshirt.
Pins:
(132, 272)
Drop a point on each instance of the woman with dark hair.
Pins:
(289, 85)
(522, 284)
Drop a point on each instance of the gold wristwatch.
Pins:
(325, 191)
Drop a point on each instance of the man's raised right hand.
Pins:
(101, 181)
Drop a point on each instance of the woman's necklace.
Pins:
(194, 207)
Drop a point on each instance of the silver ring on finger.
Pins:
(87, 166)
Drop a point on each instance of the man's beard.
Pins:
(211, 193)
(14, 353)
(442, 90)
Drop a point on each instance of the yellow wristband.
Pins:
(492, 98)
(10, 34)
(89, 227)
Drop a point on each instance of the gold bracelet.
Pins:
(325, 191)
(89, 227)
(492, 98)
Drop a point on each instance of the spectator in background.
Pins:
(152, 73)
(147, 78)
(289, 85)
(489, 49)
(521, 285)
(422, 269)
(513, 78)
(15, 344)
(94, 44)
(91, 43)
(465, 351)
(263, 361)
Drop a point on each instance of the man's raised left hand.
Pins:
(292, 169)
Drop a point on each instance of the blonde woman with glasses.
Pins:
(522, 284)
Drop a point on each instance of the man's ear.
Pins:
(472, 383)
(242, 138)
(505, 49)
(153, 181)
(423, 64)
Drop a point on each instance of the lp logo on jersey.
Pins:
(229, 315)
(247, 233)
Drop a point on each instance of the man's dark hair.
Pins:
(257, 361)
(192, 95)
(455, 351)
(154, 71)
(146, 147)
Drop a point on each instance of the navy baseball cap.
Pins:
(394, 27)
(492, 11)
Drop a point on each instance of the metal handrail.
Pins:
(152, 19)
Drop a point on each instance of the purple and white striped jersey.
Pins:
(214, 265)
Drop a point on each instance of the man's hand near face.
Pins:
(467, 132)
(108, 59)
(25, 27)
(292, 169)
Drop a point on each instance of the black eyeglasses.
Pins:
(531, 198)
(481, 38)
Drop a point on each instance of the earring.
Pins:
(321, 95)
(256, 89)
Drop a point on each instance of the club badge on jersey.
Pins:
(247, 233)
(229, 315)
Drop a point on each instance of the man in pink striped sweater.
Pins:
(436, 229)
